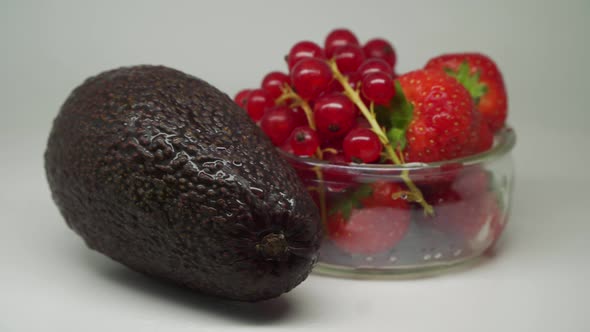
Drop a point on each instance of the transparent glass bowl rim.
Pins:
(504, 141)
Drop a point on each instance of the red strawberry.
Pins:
(433, 179)
(369, 230)
(472, 181)
(467, 209)
(492, 101)
(481, 138)
(442, 116)
(485, 138)
(471, 218)
(370, 221)
(381, 195)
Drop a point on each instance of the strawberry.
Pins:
(443, 116)
(484, 81)
(481, 138)
(381, 195)
(472, 181)
(450, 211)
(369, 221)
(485, 138)
(468, 209)
(369, 230)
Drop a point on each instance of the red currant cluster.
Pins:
(309, 111)
(344, 103)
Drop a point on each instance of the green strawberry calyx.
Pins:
(352, 201)
(469, 80)
(396, 118)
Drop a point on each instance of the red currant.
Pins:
(277, 123)
(338, 173)
(378, 87)
(258, 102)
(241, 98)
(361, 145)
(336, 177)
(334, 143)
(273, 82)
(303, 50)
(361, 122)
(334, 115)
(310, 77)
(354, 80)
(299, 116)
(348, 58)
(382, 49)
(287, 147)
(375, 65)
(304, 141)
(337, 38)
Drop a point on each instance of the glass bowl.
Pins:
(376, 227)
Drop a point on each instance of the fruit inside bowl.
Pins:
(411, 172)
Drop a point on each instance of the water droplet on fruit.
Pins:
(257, 191)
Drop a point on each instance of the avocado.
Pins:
(165, 174)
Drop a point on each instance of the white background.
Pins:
(538, 281)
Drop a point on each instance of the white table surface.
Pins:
(538, 281)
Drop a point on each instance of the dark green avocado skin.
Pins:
(166, 174)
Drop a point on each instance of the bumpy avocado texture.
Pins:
(166, 174)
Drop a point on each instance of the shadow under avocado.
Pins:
(264, 312)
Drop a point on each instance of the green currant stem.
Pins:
(330, 150)
(369, 115)
(290, 94)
